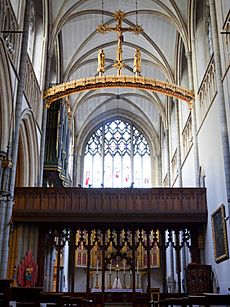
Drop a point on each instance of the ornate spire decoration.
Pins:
(119, 16)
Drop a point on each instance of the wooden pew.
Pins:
(26, 296)
(5, 292)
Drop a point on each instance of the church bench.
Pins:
(26, 296)
(5, 291)
(51, 298)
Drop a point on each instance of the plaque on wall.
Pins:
(219, 235)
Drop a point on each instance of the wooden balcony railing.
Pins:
(159, 205)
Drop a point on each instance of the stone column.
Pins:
(194, 124)
(71, 262)
(221, 100)
(3, 202)
(75, 164)
(164, 259)
(178, 145)
(178, 260)
(47, 265)
(168, 156)
(171, 259)
(15, 142)
(44, 120)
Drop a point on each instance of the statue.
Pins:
(137, 62)
(101, 62)
(117, 281)
(27, 271)
(28, 276)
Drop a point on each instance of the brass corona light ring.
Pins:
(138, 82)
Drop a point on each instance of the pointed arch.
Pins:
(28, 159)
(143, 126)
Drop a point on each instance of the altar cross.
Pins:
(102, 29)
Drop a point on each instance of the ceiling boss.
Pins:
(103, 29)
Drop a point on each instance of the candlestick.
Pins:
(97, 285)
(110, 281)
(97, 266)
(131, 279)
(138, 281)
(124, 281)
(137, 267)
(110, 268)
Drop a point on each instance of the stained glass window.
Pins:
(117, 155)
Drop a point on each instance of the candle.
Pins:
(110, 268)
(97, 266)
(137, 267)
(124, 267)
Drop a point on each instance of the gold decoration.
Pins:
(137, 62)
(101, 62)
(102, 29)
(98, 82)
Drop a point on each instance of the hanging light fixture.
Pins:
(120, 80)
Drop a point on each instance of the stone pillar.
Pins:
(71, 262)
(51, 268)
(15, 142)
(168, 156)
(75, 165)
(3, 202)
(171, 259)
(194, 124)
(44, 120)
(221, 100)
(7, 208)
(163, 261)
(47, 264)
(178, 145)
(178, 260)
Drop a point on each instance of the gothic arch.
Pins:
(143, 126)
(27, 152)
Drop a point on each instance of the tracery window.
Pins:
(117, 155)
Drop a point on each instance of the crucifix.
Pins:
(102, 29)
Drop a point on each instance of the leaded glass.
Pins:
(120, 151)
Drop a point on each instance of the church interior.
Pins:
(114, 152)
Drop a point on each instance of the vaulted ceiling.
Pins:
(76, 43)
